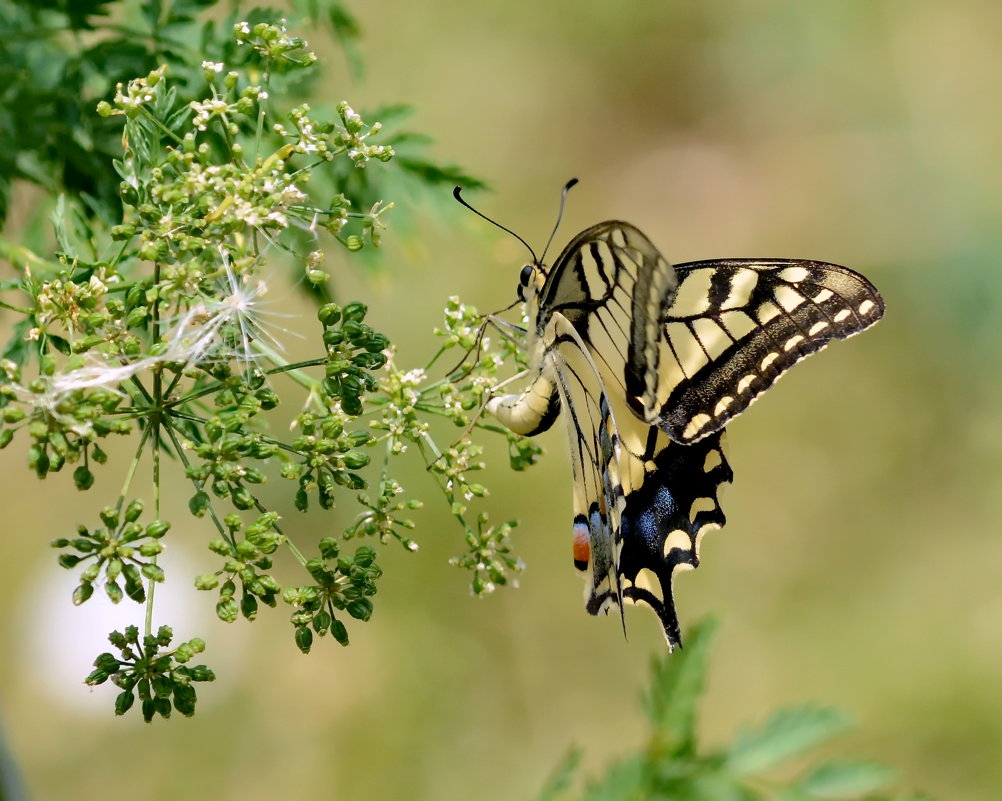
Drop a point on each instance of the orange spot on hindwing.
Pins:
(582, 545)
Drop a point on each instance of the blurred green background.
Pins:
(861, 563)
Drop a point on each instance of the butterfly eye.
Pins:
(523, 281)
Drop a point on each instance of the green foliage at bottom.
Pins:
(672, 766)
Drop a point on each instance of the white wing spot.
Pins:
(766, 312)
(693, 295)
(722, 405)
(865, 306)
(842, 315)
(696, 425)
(822, 296)
(742, 285)
(792, 342)
(788, 297)
(794, 274)
(711, 336)
(738, 323)
(746, 382)
(818, 327)
(769, 360)
(648, 580)
(677, 539)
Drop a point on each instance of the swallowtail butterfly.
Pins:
(648, 362)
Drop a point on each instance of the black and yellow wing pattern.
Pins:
(648, 362)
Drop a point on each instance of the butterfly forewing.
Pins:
(733, 328)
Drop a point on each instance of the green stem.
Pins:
(132, 470)
(166, 131)
(156, 516)
(155, 427)
(172, 433)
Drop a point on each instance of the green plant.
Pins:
(672, 764)
(149, 322)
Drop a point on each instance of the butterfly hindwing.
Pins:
(642, 501)
(665, 518)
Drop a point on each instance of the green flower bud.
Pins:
(328, 548)
(113, 591)
(304, 639)
(96, 677)
(339, 632)
(13, 414)
(206, 581)
(124, 701)
(202, 673)
(137, 317)
(148, 549)
(83, 478)
(322, 621)
(227, 610)
(355, 459)
(369, 361)
(133, 510)
(91, 573)
(162, 686)
(82, 593)
(157, 528)
(199, 504)
(329, 314)
(364, 556)
(332, 337)
(360, 609)
(248, 606)
(301, 500)
(241, 498)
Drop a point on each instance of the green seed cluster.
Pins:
(62, 428)
(342, 583)
(231, 448)
(123, 551)
(161, 679)
(247, 551)
(489, 556)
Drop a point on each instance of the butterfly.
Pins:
(648, 362)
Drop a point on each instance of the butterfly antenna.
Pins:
(455, 194)
(560, 214)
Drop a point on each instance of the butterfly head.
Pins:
(530, 281)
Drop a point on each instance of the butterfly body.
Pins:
(648, 362)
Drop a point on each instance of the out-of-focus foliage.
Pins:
(58, 60)
(673, 765)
